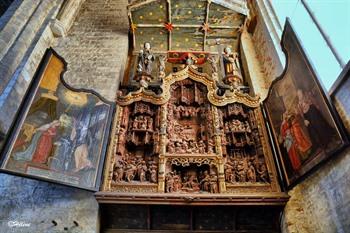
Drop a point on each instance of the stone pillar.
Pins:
(61, 25)
(253, 66)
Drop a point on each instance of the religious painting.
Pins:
(303, 123)
(61, 133)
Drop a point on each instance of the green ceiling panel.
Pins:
(152, 13)
(191, 12)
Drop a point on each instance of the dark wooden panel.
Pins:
(124, 217)
(170, 218)
(177, 219)
(214, 218)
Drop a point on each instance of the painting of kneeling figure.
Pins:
(60, 134)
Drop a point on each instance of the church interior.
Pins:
(168, 116)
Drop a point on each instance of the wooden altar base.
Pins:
(273, 199)
(127, 218)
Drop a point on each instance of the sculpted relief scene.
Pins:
(187, 120)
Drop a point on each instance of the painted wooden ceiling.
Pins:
(186, 25)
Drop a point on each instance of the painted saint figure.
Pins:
(41, 145)
(319, 129)
(288, 142)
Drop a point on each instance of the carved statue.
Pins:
(251, 176)
(153, 172)
(141, 171)
(201, 147)
(211, 146)
(145, 60)
(232, 68)
(130, 172)
(213, 62)
(150, 124)
(161, 65)
(177, 182)
(213, 183)
(231, 62)
(169, 182)
(118, 171)
(205, 182)
(262, 172)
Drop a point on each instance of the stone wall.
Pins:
(321, 203)
(96, 50)
(24, 37)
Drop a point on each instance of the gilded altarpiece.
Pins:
(188, 126)
(182, 143)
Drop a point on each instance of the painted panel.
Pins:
(60, 134)
(187, 39)
(302, 119)
(152, 13)
(222, 16)
(188, 12)
(158, 37)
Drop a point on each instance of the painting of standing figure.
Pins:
(303, 122)
(62, 134)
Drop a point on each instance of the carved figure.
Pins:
(231, 62)
(171, 147)
(118, 171)
(213, 183)
(262, 172)
(191, 183)
(169, 182)
(161, 66)
(141, 171)
(213, 62)
(241, 172)
(130, 172)
(211, 146)
(145, 60)
(205, 182)
(153, 172)
(150, 124)
(177, 182)
(201, 147)
(251, 175)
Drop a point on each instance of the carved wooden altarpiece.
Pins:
(187, 128)
(186, 143)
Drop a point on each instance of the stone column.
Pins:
(253, 66)
(61, 25)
